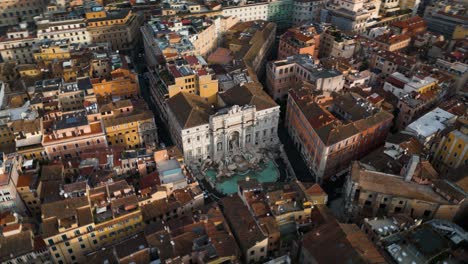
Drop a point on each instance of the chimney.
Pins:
(410, 168)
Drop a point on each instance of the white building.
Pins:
(400, 85)
(428, 125)
(9, 197)
(258, 11)
(245, 117)
(17, 45)
(350, 15)
(57, 28)
(307, 10)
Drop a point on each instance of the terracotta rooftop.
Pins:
(393, 185)
(16, 245)
(245, 229)
(248, 94)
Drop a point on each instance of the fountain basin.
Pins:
(228, 185)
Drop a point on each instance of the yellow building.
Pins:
(460, 32)
(120, 28)
(122, 82)
(7, 139)
(49, 50)
(26, 191)
(193, 79)
(452, 151)
(28, 138)
(128, 127)
(28, 70)
(75, 226)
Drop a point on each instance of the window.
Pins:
(252, 252)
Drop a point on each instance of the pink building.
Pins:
(299, 40)
(68, 135)
(284, 74)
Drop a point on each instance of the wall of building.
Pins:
(247, 12)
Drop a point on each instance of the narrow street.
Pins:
(140, 66)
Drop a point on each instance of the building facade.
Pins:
(249, 12)
(14, 12)
(285, 74)
(307, 10)
(244, 117)
(17, 45)
(75, 226)
(67, 135)
(300, 40)
(327, 144)
(57, 28)
(120, 28)
(370, 193)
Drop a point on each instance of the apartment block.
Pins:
(62, 26)
(284, 74)
(128, 126)
(180, 36)
(252, 241)
(75, 226)
(22, 246)
(307, 10)
(189, 74)
(72, 95)
(280, 12)
(386, 63)
(250, 43)
(135, 249)
(7, 117)
(369, 193)
(67, 135)
(427, 127)
(10, 200)
(14, 12)
(413, 105)
(120, 82)
(248, 12)
(400, 85)
(27, 190)
(409, 246)
(120, 28)
(335, 43)
(350, 15)
(47, 50)
(17, 44)
(28, 138)
(304, 39)
(335, 242)
(451, 152)
(331, 135)
(287, 204)
(206, 237)
(442, 17)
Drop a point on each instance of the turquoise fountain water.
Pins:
(269, 173)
